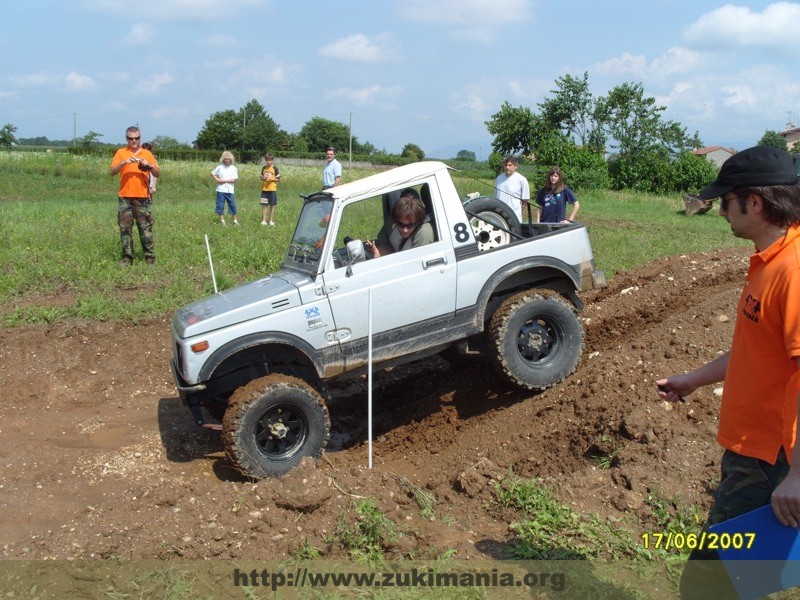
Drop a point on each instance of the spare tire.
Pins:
(493, 222)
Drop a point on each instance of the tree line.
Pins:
(621, 140)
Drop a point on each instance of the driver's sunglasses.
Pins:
(725, 201)
(405, 225)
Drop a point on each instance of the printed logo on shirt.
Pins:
(752, 308)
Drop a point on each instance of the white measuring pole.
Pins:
(369, 377)
(211, 264)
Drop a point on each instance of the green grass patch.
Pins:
(366, 538)
(59, 241)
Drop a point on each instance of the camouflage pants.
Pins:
(747, 484)
(130, 210)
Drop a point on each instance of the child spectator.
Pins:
(270, 178)
(226, 175)
(552, 200)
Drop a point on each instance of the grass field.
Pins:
(59, 242)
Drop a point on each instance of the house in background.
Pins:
(715, 154)
(791, 135)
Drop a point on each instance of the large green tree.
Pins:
(7, 138)
(249, 130)
(165, 142)
(413, 152)
(773, 138)
(571, 108)
(466, 155)
(320, 133)
(634, 123)
(221, 131)
(90, 139)
(260, 132)
(514, 129)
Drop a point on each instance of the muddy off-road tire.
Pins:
(272, 423)
(496, 221)
(535, 339)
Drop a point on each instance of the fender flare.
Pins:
(259, 339)
(566, 271)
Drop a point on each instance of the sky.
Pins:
(428, 72)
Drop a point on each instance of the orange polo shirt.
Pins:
(758, 415)
(133, 182)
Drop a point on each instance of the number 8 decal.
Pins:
(461, 231)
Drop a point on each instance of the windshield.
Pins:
(305, 248)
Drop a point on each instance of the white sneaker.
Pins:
(222, 221)
(235, 222)
(272, 223)
(263, 222)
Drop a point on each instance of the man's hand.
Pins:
(786, 499)
(675, 387)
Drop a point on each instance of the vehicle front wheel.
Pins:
(272, 423)
(536, 339)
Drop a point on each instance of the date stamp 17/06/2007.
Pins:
(705, 540)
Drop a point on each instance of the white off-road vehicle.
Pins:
(257, 356)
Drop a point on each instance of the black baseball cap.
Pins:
(754, 167)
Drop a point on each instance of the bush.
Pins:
(654, 172)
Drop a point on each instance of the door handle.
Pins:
(434, 262)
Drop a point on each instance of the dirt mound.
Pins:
(101, 460)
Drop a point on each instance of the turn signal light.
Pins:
(199, 347)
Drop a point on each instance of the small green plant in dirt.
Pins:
(606, 458)
(367, 538)
(672, 517)
(306, 552)
(425, 501)
(167, 583)
(550, 530)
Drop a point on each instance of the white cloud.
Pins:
(476, 101)
(359, 48)
(367, 95)
(37, 79)
(625, 65)
(468, 21)
(738, 26)
(154, 81)
(75, 82)
(141, 33)
(677, 60)
(472, 13)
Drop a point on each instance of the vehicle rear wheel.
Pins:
(536, 339)
(272, 423)
(494, 223)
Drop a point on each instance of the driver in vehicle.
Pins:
(410, 226)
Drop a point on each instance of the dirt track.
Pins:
(99, 459)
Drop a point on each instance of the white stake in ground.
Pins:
(369, 377)
(211, 264)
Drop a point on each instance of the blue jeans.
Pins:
(224, 198)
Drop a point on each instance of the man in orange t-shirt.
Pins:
(760, 198)
(134, 164)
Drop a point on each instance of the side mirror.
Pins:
(356, 252)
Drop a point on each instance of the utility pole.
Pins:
(350, 160)
(74, 129)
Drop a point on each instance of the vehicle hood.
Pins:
(272, 294)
